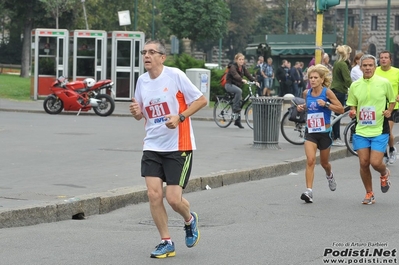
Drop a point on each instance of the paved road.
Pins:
(55, 166)
(256, 222)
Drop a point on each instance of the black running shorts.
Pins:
(322, 140)
(174, 168)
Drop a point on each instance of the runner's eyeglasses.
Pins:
(150, 52)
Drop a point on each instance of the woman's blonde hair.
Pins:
(323, 72)
(343, 52)
(238, 55)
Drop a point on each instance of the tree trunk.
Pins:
(26, 46)
(192, 48)
(56, 18)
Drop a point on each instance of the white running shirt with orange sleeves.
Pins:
(170, 93)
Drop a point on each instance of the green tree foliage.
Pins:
(272, 20)
(184, 62)
(297, 11)
(241, 25)
(22, 16)
(197, 20)
(55, 8)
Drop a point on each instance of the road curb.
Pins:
(101, 203)
(93, 114)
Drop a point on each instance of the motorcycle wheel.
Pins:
(106, 106)
(53, 105)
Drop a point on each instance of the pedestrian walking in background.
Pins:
(326, 62)
(296, 80)
(303, 81)
(166, 99)
(341, 81)
(268, 73)
(320, 101)
(283, 77)
(368, 97)
(356, 73)
(260, 76)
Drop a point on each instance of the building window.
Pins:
(372, 50)
(351, 22)
(305, 25)
(396, 22)
(374, 23)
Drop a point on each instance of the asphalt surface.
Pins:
(255, 222)
(60, 167)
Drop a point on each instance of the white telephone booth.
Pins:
(125, 63)
(49, 59)
(89, 53)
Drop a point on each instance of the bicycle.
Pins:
(348, 133)
(223, 109)
(294, 132)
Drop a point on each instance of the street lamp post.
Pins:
(387, 37)
(286, 17)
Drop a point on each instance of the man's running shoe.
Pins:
(331, 182)
(307, 196)
(164, 250)
(385, 182)
(392, 156)
(369, 199)
(192, 232)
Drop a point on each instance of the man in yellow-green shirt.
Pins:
(392, 74)
(368, 97)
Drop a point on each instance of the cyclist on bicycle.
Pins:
(234, 83)
(320, 102)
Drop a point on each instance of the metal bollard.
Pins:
(266, 115)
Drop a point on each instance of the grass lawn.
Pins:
(18, 88)
(14, 87)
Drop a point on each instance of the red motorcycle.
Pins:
(80, 96)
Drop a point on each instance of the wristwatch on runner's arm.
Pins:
(181, 117)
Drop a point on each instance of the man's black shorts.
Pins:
(174, 168)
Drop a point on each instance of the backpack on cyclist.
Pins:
(223, 80)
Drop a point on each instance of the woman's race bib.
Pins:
(316, 122)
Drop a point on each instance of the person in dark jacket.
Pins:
(283, 77)
(296, 80)
(234, 83)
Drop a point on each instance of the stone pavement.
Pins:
(224, 157)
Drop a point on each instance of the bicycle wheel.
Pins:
(348, 133)
(249, 116)
(293, 132)
(222, 113)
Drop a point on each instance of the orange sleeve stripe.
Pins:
(184, 141)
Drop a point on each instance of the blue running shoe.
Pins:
(164, 250)
(192, 232)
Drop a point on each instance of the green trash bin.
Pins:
(267, 116)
